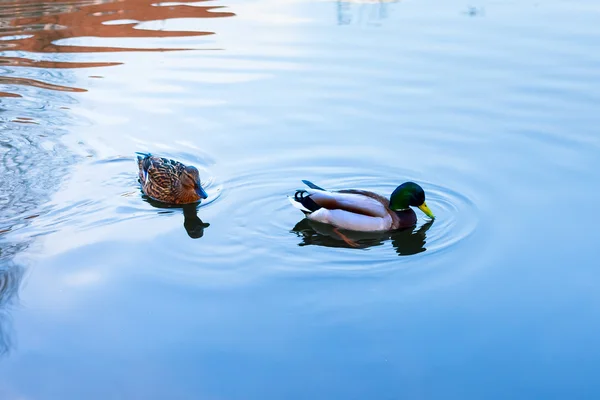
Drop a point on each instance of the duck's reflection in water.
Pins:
(406, 242)
(10, 279)
(193, 225)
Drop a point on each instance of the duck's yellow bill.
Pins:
(423, 207)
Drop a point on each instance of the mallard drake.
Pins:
(169, 181)
(361, 210)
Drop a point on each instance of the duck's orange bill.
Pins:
(423, 207)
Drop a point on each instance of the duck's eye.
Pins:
(190, 180)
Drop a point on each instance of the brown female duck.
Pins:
(169, 181)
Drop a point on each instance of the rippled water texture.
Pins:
(490, 106)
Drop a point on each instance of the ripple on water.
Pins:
(253, 219)
(106, 192)
(306, 245)
(10, 279)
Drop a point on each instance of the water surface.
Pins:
(491, 107)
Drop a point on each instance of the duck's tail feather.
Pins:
(141, 156)
(312, 185)
(303, 202)
(298, 205)
(143, 160)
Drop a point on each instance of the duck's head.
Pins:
(190, 179)
(409, 194)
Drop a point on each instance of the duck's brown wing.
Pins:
(162, 179)
(176, 165)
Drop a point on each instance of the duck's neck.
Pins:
(399, 201)
(399, 204)
(188, 196)
(406, 218)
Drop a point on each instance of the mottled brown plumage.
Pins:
(169, 181)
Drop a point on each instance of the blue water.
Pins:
(491, 106)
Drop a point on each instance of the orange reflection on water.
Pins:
(6, 94)
(36, 26)
(26, 62)
(36, 83)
